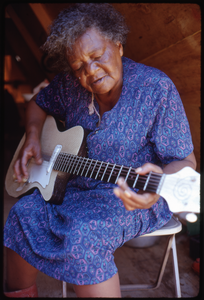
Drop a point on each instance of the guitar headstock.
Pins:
(182, 191)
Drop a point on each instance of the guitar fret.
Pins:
(80, 165)
(74, 159)
(88, 168)
(118, 174)
(135, 180)
(146, 183)
(128, 174)
(160, 183)
(65, 162)
(60, 163)
(93, 168)
(99, 170)
(84, 166)
(111, 172)
(104, 171)
(70, 164)
(76, 165)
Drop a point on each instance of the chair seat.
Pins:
(172, 227)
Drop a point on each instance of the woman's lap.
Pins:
(75, 241)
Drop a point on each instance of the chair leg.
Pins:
(164, 261)
(171, 244)
(64, 289)
(176, 270)
(132, 287)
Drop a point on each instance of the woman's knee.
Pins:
(109, 288)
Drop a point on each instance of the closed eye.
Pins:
(98, 57)
(79, 68)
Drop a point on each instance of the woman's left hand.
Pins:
(140, 200)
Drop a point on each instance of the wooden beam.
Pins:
(25, 33)
(151, 57)
(42, 15)
(28, 39)
(28, 63)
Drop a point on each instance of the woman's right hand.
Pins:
(35, 118)
(31, 148)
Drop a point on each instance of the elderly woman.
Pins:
(129, 109)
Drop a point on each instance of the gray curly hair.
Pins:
(73, 22)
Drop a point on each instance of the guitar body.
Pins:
(64, 154)
(72, 141)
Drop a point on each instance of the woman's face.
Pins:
(97, 63)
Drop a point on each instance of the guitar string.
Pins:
(140, 184)
(64, 160)
(72, 157)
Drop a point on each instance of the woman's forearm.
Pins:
(35, 118)
(176, 166)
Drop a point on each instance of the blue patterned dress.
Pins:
(75, 241)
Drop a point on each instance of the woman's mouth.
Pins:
(99, 81)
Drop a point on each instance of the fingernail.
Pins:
(138, 170)
(116, 192)
(127, 194)
(120, 181)
(25, 179)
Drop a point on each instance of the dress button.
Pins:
(96, 131)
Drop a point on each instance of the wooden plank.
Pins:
(25, 33)
(28, 63)
(181, 62)
(194, 118)
(42, 15)
(53, 9)
(155, 26)
(28, 38)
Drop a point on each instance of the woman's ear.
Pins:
(120, 46)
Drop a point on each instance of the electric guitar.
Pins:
(64, 155)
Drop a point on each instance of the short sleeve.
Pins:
(54, 98)
(170, 132)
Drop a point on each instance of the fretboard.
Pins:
(105, 171)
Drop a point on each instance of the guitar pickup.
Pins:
(53, 158)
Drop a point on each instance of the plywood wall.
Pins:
(167, 36)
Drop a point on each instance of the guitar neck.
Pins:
(107, 172)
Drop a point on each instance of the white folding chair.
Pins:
(170, 229)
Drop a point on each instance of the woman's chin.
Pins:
(103, 86)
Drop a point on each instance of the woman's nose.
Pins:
(90, 68)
